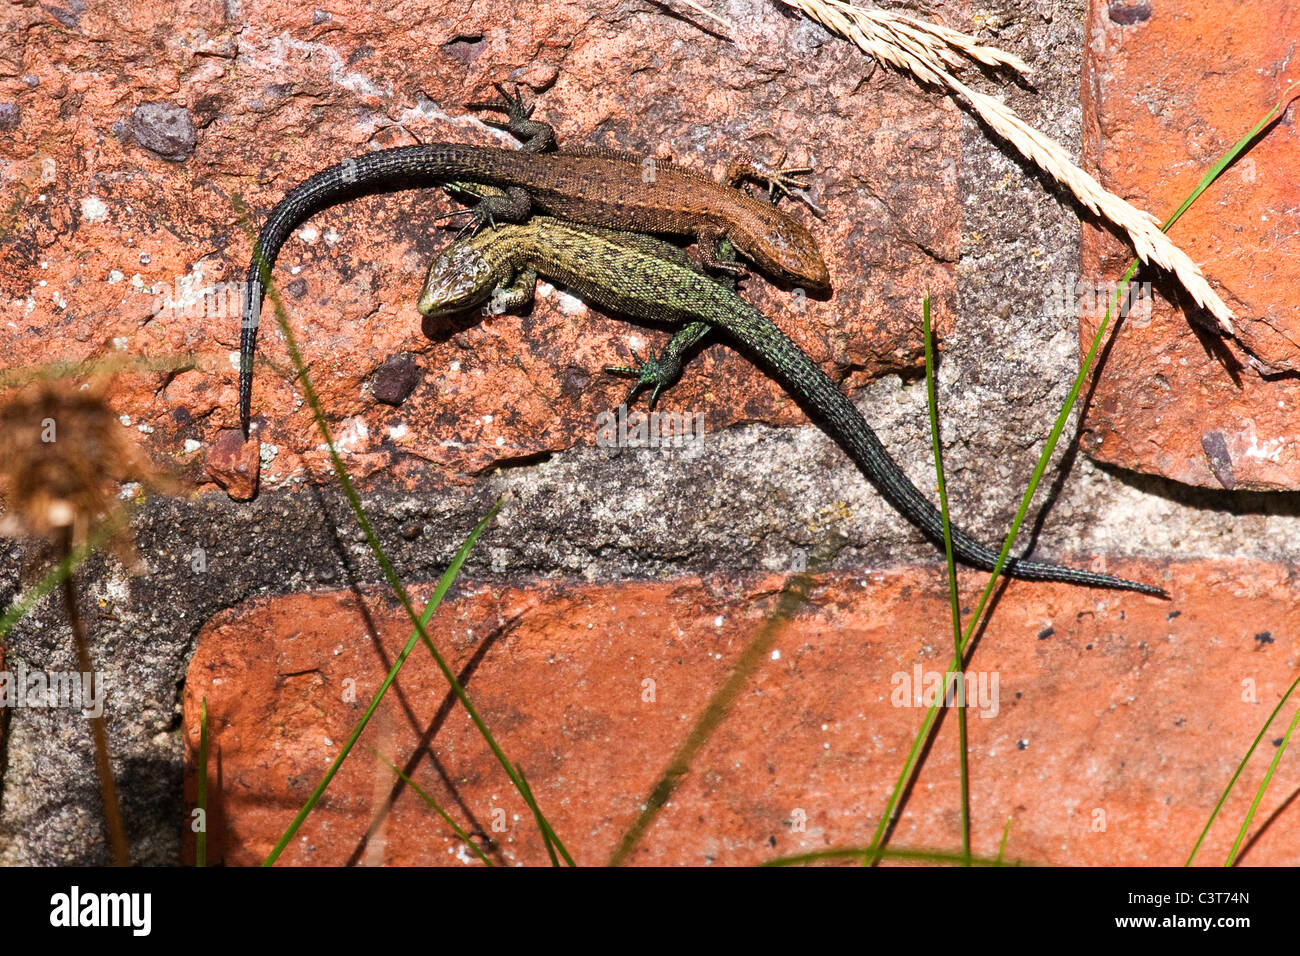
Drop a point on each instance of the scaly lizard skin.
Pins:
(602, 188)
(644, 278)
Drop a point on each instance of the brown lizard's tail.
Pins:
(385, 169)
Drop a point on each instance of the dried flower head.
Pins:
(63, 457)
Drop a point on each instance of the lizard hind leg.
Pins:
(538, 137)
(663, 370)
(648, 371)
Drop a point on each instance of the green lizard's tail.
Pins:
(821, 398)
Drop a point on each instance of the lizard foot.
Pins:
(537, 136)
(710, 255)
(659, 371)
(479, 217)
(512, 104)
(779, 179)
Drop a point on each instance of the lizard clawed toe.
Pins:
(538, 137)
(454, 214)
(478, 218)
(652, 370)
(513, 105)
(780, 180)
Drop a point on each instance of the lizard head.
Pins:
(783, 247)
(460, 278)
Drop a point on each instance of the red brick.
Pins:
(1170, 400)
(1125, 706)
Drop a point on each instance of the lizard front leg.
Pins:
(513, 203)
(515, 294)
(492, 204)
(780, 180)
(709, 243)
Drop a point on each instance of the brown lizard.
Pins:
(598, 187)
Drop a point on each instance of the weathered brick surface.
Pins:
(1168, 88)
(1116, 723)
(123, 147)
(119, 228)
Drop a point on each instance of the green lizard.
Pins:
(644, 278)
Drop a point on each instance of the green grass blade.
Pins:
(443, 585)
(1002, 847)
(932, 399)
(465, 837)
(924, 856)
(1241, 767)
(910, 764)
(1226, 160)
(390, 573)
(548, 835)
(23, 604)
(794, 594)
(1259, 794)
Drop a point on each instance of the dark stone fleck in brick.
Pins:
(278, 92)
(297, 288)
(396, 379)
(361, 53)
(1045, 633)
(69, 18)
(206, 110)
(574, 380)
(1216, 450)
(165, 129)
(466, 48)
(1264, 637)
(9, 116)
(1127, 13)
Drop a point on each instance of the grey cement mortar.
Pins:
(749, 500)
